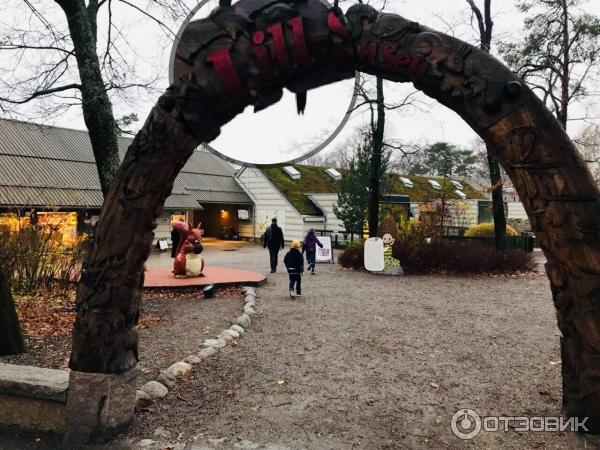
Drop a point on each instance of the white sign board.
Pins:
(374, 260)
(325, 253)
(243, 214)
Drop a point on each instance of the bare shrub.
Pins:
(34, 258)
(353, 256)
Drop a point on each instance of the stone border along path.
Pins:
(168, 378)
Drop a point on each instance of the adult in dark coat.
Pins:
(273, 240)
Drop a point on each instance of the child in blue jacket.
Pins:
(294, 263)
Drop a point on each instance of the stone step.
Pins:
(34, 382)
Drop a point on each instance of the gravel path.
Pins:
(369, 362)
(361, 361)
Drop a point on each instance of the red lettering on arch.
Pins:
(367, 51)
(300, 49)
(389, 50)
(336, 26)
(276, 32)
(223, 65)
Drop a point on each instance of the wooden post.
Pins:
(11, 336)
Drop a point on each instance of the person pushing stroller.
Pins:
(294, 263)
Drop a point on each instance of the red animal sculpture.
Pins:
(189, 244)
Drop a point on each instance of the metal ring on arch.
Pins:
(306, 155)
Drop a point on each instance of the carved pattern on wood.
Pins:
(246, 54)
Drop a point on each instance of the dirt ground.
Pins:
(173, 328)
(364, 361)
(376, 363)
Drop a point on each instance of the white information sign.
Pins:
(325, 253)
(162, 244)
(374, 260)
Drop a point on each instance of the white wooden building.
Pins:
(270, 202)
(303, 197)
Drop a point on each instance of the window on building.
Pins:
(434, 184)
(461, 194)
(292, 172)
(457, 184)
(407, 182)
(485, 211)
(334, 174)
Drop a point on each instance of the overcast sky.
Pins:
(279, 134)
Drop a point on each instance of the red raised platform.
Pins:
(161, 277)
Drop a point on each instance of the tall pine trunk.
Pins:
(11, 336)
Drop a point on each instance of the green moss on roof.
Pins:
(422, 190)
(314, 180)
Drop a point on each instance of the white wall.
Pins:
(269, 203)
(467, 214)
(516, 210)
(163, 228)
(326, 202)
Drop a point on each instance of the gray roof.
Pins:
(51, 166)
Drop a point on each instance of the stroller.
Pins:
(229, 234)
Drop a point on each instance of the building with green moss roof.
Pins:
(302, 197)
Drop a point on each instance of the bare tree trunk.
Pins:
(565, 77)
(486, 27)
(97, 109)
(377, 130)
(497, 202)
(11, 336)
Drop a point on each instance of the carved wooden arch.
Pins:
(246, 54)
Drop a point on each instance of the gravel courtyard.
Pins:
(368, 362)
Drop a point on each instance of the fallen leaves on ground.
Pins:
(47, 315)
(148, 321)
(233, 390)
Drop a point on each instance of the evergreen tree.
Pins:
(353, 199)
(446, 160)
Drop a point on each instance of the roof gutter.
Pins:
(313, 219)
